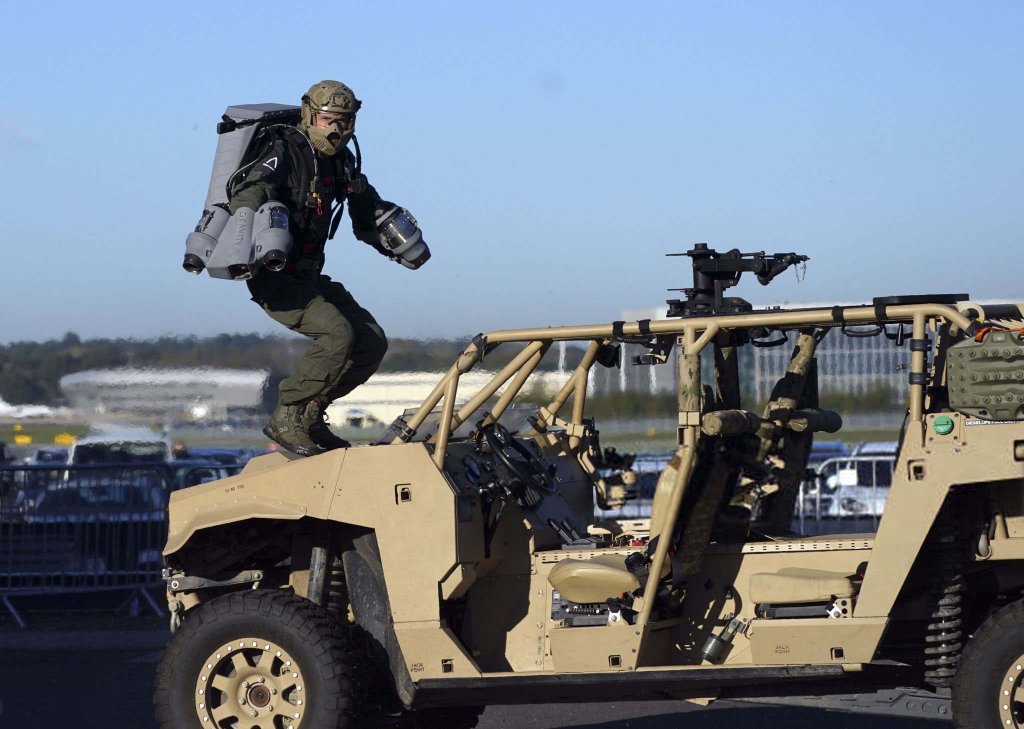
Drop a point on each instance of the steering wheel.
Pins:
(526, 477)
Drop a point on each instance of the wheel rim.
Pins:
(250, 683)
(1011, 695)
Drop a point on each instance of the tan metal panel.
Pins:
(923, 475)
(274, 488)
(592, 648)
(398, 491)
(815, 640)
(431, 651)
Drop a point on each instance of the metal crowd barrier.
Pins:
(94, 527)
(87, 527)
(842, 495)
(845, 494)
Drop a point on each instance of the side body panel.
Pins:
(973, 452)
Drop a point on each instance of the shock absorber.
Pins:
(336, 591)
(944, 635)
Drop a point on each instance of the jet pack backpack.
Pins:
(235, 246)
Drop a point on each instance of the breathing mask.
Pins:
(329, 116)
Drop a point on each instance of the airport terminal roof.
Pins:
(145, 376)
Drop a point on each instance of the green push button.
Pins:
(943, 425)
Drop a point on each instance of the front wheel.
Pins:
(257, 658)
(988, 689)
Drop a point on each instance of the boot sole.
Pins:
(305, 452)
(343, 444)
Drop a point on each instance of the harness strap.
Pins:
(336, 220)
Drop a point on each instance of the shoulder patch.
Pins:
(271, 164)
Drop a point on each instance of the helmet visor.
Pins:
(343, 120)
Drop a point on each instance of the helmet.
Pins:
(329, 98)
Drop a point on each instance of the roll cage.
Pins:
(943, 316)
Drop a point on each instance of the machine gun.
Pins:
(714, 272)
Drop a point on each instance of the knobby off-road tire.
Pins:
(988, 689)
(261, 658)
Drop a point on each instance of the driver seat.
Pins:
(594, 580)
(602, 576)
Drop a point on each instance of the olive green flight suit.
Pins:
(348, 344)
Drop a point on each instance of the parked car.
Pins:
(128, 447)
(847, 487)
(876, 448)
(48, 455)
(228, 456)
(822, 450)
(194, 471)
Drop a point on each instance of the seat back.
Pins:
(663, 496)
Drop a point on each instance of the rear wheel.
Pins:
(988, 689)
(258, 658)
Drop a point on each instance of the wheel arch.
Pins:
(371, 609)
(255, 552)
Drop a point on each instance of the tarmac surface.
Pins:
(52, 679)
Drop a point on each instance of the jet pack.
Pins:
(235, 246)
(400, 235)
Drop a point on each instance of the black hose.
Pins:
(359, 156)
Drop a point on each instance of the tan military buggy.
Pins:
(458, 562)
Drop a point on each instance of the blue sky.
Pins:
(553, 152)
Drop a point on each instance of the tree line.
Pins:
(30, 372)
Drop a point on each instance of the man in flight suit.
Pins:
(310, 169)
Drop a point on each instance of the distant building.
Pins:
(387, 395)
(197, 394)
(641, 379)
(845, 363)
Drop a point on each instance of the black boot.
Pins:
(289, 427)
(319, 431)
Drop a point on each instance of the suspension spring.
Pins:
(944, 635)
(336, 591)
